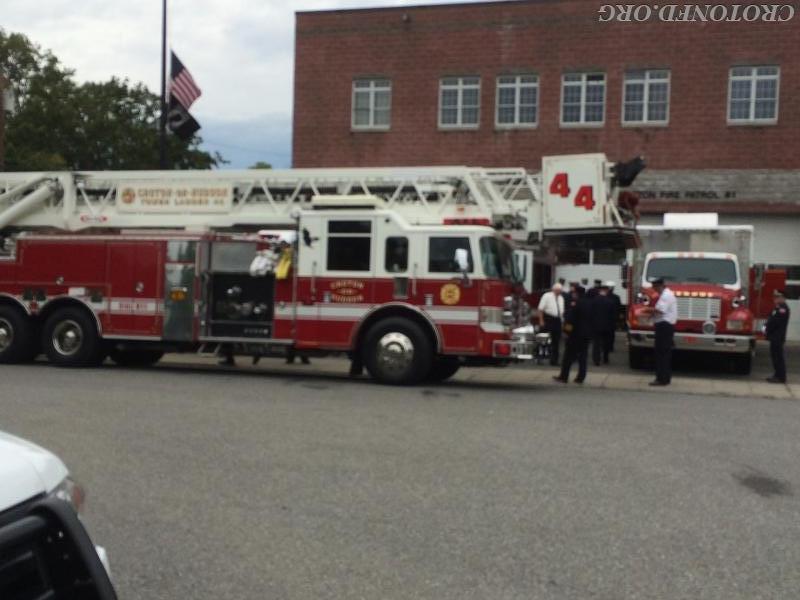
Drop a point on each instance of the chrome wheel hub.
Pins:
(395, 352)
(6, 335)
(67, 338)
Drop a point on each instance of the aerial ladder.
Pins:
(573, 200)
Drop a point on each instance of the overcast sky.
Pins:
(240, 53)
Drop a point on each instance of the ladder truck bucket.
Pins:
(580, 206)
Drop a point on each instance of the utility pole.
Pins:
(162, 133)
(4, 83)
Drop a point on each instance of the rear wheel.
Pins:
(17, 336)
(70, 339)
(397, 351)
(443, 369)
(135, 357)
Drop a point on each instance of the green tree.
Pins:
(60, 124)
(260, 165)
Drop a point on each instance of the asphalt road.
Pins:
(210, 484)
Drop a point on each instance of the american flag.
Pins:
(181, 84)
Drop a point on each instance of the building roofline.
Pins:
(739, 207)
(449, 5)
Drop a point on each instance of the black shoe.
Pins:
(576, 380)
(558, 378)
(657, 383)
(774, 379)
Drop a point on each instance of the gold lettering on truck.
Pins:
(348, 291)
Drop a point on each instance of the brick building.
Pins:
(711, 105)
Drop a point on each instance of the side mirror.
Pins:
(462, 259)
(758, 276)
(462, 262)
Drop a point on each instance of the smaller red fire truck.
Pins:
(722, 296)
(409, 271)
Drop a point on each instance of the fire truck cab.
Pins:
(721, 295)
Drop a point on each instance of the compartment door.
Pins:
(135, 302)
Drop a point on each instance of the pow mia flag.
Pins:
(183, 91)
(179, 121)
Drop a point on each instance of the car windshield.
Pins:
(497, 257)
(693, 270)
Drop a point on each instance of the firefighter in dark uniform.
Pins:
(775, 332)
(604, 319)
(578, 325)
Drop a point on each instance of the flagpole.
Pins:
(162, 133)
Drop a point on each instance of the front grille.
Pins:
(698, 309)
(46, 554)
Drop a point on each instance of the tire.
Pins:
(443, 369)
(17, 336)
(135, 357)
(636, 358)
(397, 351)
(743, 364)
(70, 339)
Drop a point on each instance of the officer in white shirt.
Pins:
(551, 315)
(665, 314)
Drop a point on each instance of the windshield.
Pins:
(497, 257)
(693, 270)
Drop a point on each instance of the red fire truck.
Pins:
(411, 271)
(723, 298)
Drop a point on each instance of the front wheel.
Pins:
(17, 342)
(397, 351)
(70, 339)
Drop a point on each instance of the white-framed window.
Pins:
(349, 245)
(583, 98)
(517, 101)
(459, 102)
(372, 104)
(753, 95)
(646, 97)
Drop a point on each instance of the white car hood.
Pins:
(26, 470)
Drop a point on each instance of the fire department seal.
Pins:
(128, 196)
(348, 291)
(450, 293)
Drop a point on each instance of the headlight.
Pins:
(508, 302)
(508, 317)
(735, 324)
(71, 492)
(642, 299)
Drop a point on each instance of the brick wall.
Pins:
(415, 47)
